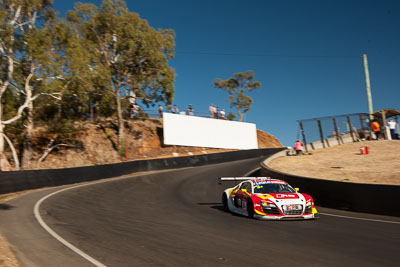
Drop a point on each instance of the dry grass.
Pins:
(7, 258)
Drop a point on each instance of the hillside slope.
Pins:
(144, 137)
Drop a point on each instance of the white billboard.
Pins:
(185, 130)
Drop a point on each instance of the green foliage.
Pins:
(238, 87)
(125, 52)
(231, 116)
(78, 67)
(107, 133)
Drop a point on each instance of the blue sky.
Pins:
(307, 54)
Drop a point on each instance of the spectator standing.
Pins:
(175, 109)
(222, 114)
(190, 110)
(392, 126)
(211, 109)
(298, 146)
(136, 110)
(376, 128)
(160, 111)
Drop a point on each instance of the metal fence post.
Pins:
(351, 127)
(336, 130)
(321, 134)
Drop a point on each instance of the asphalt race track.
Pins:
(174, 218)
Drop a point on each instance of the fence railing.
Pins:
(336, 130)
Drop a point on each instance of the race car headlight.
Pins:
(309, 203)
(268, 204)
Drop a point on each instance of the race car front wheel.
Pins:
(225, 202)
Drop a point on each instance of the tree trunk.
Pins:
(28, 138)
(240, 115)
(4, 164)
(91, 110)
(121, 127)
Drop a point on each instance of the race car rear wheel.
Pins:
(250, 208)
(225, 202)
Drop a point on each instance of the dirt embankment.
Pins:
(144, 141)
(345, 163)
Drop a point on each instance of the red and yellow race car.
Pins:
(266, 198)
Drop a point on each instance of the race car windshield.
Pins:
(273, 188)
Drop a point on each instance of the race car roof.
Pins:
(254, 180)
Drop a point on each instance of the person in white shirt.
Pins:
(211, 109)
(160, 111)
(222, 114)
(392, 127)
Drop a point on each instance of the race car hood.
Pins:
(279, 196)
(285, 195)
(288, 198)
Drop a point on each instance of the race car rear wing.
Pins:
(222, 179)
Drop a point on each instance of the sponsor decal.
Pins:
(265, 196)
(286, 196)
(259, 212)
(292, 207)
(314, 210)
(261, 182)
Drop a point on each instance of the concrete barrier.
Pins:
(370, 198)
(14, 181)
(331, 141)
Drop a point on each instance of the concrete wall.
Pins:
(370, 198)
(23, 180)
(332, 141)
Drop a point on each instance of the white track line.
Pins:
(355, 218)
(55, 235)
(58, 237)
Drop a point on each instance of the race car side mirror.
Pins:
(297, 189)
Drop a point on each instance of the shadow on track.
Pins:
(5, 207)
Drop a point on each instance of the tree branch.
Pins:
(20, 110)
(14, 153)
(16, 16)
(48, 150)
(53, 95)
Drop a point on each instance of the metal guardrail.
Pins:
(324, 132)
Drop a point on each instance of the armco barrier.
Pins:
(370, 198)
(23, 180)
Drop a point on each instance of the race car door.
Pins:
(243, 195)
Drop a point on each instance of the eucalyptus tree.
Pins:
(127, 54)
(238, 87)
(25, 52)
